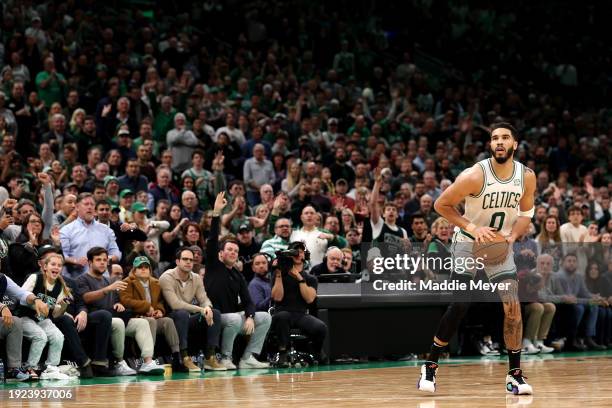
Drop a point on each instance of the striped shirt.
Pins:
(270, 246)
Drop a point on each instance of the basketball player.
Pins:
(499, 196)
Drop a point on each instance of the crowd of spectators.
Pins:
(120, 127)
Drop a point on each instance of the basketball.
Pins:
(492, 252)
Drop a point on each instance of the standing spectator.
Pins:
(78, 237)
(316, 239)
(225, 285)
(549, 240)
(573, 235)
(132, 179)
(257, 171)
(182, 143)
(51, 84)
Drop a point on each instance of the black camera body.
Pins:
(284, 259)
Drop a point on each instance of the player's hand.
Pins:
(119, 307)
(483, 234)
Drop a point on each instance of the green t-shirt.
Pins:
(54, 90)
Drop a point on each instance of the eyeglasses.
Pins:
(187, 259)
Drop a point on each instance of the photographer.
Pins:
(332, 263)
(293, 291)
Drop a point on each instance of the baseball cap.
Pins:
(47, 249)
(125, 192)
(245, 227)
(123, 132)
(332, 121)
(341, 181)
(108, 179)
(141, 260)
(115, 208)
(138, 207)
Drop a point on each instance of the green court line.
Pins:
(469, 360)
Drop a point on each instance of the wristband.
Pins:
(302, 281)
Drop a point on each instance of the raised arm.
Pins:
(213, 236)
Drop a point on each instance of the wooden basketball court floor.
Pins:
(559, 380)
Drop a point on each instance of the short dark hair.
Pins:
(570, 254)
(574, 208)
(504, 125)
(182, 249)
(417, 216)
(198, 151)
(102, 202)
(228, 239)
(95, 251)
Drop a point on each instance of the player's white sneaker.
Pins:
(515, 383)
(427, 380)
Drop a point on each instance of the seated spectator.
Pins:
(578, 306)
(39, 328)
(332, 263)
(602, 287)
(143, 297)
(259, 287)
(11, 329)
(538, 314)
(181, 287)
(101, 295)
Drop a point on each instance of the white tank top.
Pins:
(497, 203)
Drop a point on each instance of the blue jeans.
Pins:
(580, 315)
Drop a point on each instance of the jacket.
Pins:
(133, 297)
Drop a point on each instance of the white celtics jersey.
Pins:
(497, 203)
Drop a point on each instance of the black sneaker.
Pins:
(282, 360)
(591, 345)
(86, 372)
(102, 371)
(178, 367)
(17, 375)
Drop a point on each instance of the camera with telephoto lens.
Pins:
(284, 258)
